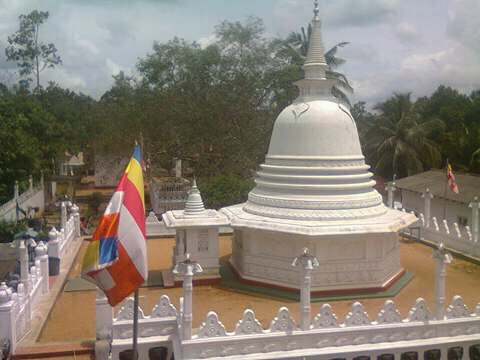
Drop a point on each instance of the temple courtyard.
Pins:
(72, 318)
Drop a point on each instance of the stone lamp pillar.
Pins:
(474, 205)
(187, 269)
(442, 258)
(24, 265)
(63, 214)
(390, 190)
(76, 219)
(307, 263)
(41, 254)
(428, 196)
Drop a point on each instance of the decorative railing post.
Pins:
(442, 258)
(53, 253)
(42, 256)
(187, 269)
(307, 263)
(7, 317)
(24, 265)
(474, 205)
(16, 191)
(103, 317)
(63, 214)
(428, 196)
(76, 220)
(390, 189)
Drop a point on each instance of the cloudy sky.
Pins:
(395, 45)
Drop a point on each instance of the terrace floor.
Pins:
(72, 318)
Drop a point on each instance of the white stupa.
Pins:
(197, 232)
(314, 190)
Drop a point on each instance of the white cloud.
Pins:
(406, 32)
(464, 24)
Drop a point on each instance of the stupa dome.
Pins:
(315, 191)
(314, 178)
(314, 168)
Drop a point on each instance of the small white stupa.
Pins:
(197, 233)
(315, 191)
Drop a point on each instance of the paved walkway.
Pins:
(73, 316)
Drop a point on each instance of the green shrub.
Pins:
(224, 190)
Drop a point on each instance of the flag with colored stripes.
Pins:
(116, 257)
(451, 180)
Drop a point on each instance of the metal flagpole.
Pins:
(445, 192)
(135, 325)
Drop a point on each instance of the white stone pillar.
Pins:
(442, 258)
(24, 266)
(53, 253)
(30, 183)
(307, 263)
(390, 190)
(7, 316)
(63, 214)
(42, 256)
(187, 269)
(103, 317)
(428, 196)
(76, 220)
(16, 191)
(474, 205)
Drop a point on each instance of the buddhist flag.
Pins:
(116, 257)
(451, 180)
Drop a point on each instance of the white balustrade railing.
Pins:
(326, 337)
(17, 308)
(455, 237)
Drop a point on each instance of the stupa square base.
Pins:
(348, 262)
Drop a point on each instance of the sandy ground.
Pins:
(73, 316)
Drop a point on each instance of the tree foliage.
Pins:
(31, 55)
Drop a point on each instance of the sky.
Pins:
(394, 45)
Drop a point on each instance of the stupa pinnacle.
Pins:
(315, 191)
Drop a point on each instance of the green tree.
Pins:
(31, 55)
(399, 142)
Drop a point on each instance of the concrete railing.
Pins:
(454, 237)
(33, 197)
(358, 334)
(17, 308)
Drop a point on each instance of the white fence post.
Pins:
(53, 253)
(7, 316)
(428, 196)
(474, 205)
(42, 256)
(104, 316)
(76, 220)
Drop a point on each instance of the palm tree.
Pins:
(399, 142)
(299, 41)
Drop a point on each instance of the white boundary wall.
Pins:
(358, 334)
(17, 308)
(34, 197)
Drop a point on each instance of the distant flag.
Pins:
(451, 180)
(116, 257)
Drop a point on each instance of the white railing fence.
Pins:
(18, 307)
(33, 197)
(327, 337)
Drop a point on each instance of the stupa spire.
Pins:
(315, 65)
(194, 205)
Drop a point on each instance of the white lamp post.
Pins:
(307, 263)
(187, 269)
